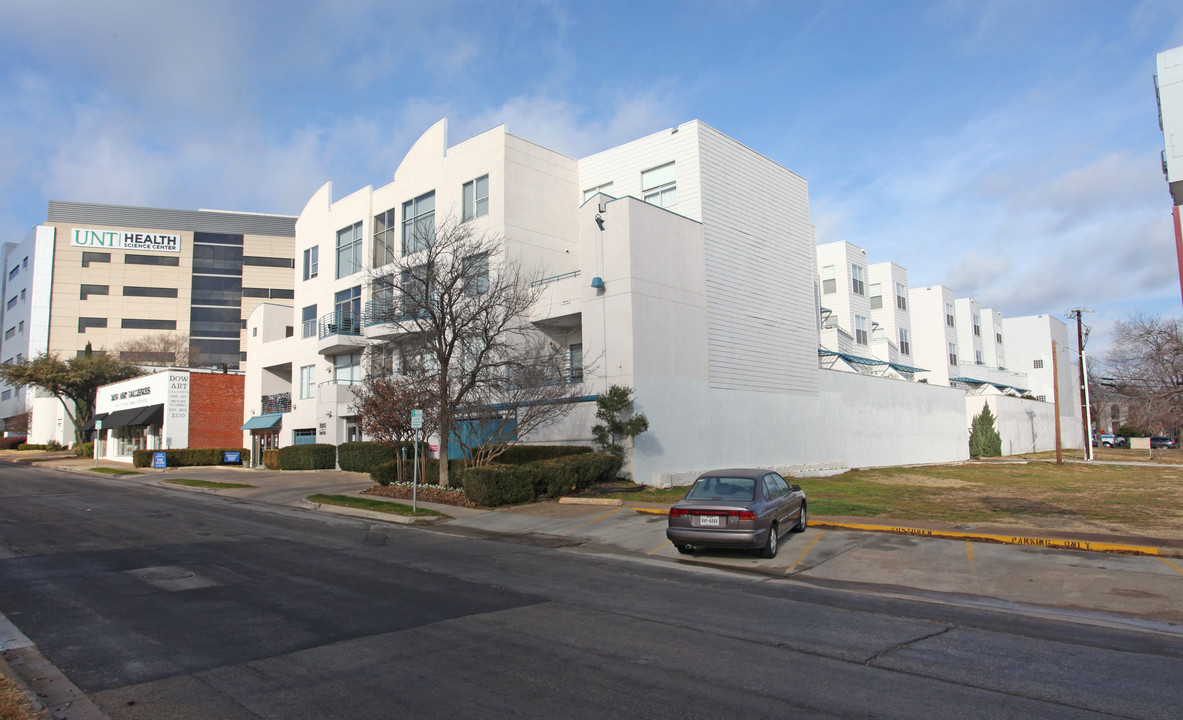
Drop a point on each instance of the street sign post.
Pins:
(416, 425)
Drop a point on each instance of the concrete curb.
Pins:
(1034, 541)
(1125, 548)
(590, 501)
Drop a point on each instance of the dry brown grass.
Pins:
(14, 704)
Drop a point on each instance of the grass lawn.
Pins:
(205, 483)
(378, 505)
(115, 471)
(1073, 496)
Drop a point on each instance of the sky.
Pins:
(1007, 149)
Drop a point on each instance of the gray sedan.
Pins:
(737, 508)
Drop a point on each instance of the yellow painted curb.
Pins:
(1006, 539)
(650, 511)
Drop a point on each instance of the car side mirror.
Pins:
(795, 488)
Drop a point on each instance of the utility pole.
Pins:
(1084, 397)
(1056, 399)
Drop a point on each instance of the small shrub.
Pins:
(495, 485)
(271, 459)
(429, 471)
(365, 456)
(12, 441)
(32, 446)
(189, 457)
(984, 440)
(86, 449)
(319, 456)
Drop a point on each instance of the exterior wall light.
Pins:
(600, 222)
(598, 282)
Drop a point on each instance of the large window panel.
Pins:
(658, 186)
(385, 236)
(349, 250)
(476, 198)
(418, 223)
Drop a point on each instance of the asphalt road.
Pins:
(161, 604)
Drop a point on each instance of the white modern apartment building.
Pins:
(1168, 86)
(103, 275)
(681, 264)
(945, 340)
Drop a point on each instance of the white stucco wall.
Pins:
(1024, 425)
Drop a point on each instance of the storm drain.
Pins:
(172, 578)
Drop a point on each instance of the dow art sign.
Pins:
(125, 240)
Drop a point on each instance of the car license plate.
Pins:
(708, 520)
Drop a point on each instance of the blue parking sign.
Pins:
(232, 456)
(159, 460)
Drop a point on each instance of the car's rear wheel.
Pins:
(773, 544)
(1107, 444)
(803, 521)
(685, 549)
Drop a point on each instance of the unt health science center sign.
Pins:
(124, 240)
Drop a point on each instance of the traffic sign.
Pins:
(416, 419)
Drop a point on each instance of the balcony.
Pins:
(338, 332)
(386, 316)
(277, 403)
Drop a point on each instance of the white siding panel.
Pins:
(761, 319)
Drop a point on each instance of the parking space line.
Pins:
(805, 551)
(1173, 566)
(663, 544)
(596, 519)
(969, 553)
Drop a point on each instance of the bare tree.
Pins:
(160, 349)
(455, 307)
(383, 403)
(1144, 367)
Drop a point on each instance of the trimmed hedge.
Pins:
(365, 456)
(308, 457)
(86, 449)
(511, 484)
(271, 459)
(523, 454)
(388, 472)
(554, 478)
(189, 457)
(12, 442)
(495, 485)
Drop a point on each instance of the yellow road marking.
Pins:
(1174, 567)
(969, 552)
(596, 519)
(663, 544)
(1007, 539)
(805, 551)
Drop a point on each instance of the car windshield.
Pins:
(723, 488)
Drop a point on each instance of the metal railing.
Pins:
(340, 322)
(277, 403)
(554, 278)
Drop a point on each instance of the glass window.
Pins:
(860, 329)
(308, 322)
(216, 290)
(213, 352)
(978, 357)
(659, 186)
(476, 198)
(12, 302)
(133, 291)
(977, 324)
(829, 283)
(88, 290)
(901, 296)
(217, 259)
(1038, 364)
(307, 382)
(384, 237)
(348, 250)
(418, 223)
(170, 260)
(258, 261)
(949, 317)
(91, 322)
(876, 297)
(857, 276)
(575, 362)
(476, 273)
(94, 257)
(311, 262)
(952, 353)
(304, 436)
(347, 309)
(905, 341)
(13, 272)
(417, 295)
(145, 324)
(10, 332)
(347, 368)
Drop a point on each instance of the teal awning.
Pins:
(263, 422)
